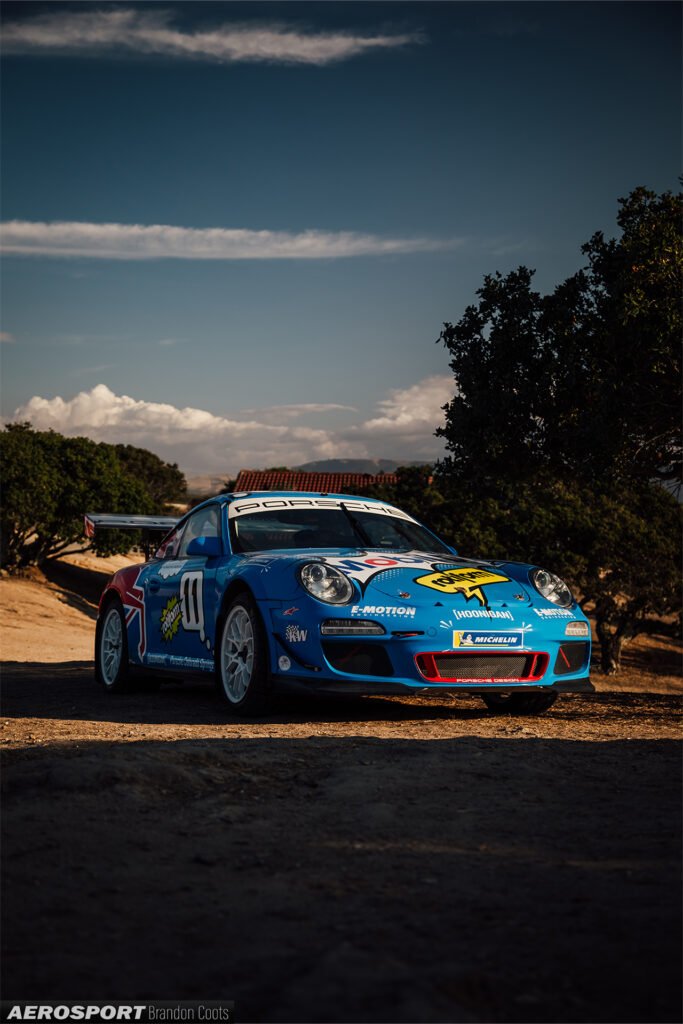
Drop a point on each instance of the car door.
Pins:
(180, 594)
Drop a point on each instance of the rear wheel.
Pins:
(241, 657)
(111, 649)
(519, 703)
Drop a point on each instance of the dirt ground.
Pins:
(383, 859)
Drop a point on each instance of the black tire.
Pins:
(242, 657)
(112, 669)
(519, 703)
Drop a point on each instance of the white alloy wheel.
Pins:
(111, 649)
(241, 657)
(237, 654)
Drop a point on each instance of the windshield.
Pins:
(329, 528)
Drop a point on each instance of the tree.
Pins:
(617, 547)
(49, 481)
(586, 380)
(567, 410)
(164, 482)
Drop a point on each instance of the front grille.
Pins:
(359, 659)
(480, 666)
(487, 668)
(570, 658)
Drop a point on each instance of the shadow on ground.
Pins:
(68, 691)
(349, 879)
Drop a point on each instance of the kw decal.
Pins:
(170, 619)
(462, 581)
(134, 604)
(192, 603)
(295, 634)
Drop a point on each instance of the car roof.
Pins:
(232, 495)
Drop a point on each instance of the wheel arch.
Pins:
(238, 586)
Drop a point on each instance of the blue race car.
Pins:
(335, 594)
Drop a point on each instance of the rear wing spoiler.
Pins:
(95, 521)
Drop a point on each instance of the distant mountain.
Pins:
(372, 466)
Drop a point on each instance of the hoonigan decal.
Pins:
(462, 581)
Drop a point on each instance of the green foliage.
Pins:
(164, 482)
(586, 380)
(566, 410)
(49, 482)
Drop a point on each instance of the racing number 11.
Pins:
(192, 603)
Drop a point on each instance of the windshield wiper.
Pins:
(356, 527)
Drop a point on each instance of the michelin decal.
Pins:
(472, 639)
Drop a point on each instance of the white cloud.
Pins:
(152, 32)
(279, 412)
(165, 241)
(6, 338)
(408, 408)
(202, 442)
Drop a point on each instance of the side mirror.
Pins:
(206, 547)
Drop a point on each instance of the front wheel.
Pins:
(519, 703)
(241, 658)
(111, 649)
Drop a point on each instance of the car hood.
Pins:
(417, 578)
(432, 580)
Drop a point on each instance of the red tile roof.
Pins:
(325, 483)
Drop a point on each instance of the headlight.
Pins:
(551, 587)
(326, 583)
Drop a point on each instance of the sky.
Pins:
(232, 232)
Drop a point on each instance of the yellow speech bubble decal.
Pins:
(462, 581)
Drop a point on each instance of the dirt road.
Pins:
(381, 860)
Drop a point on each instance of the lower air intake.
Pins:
(485, 668)
(571, 658)
(362, 659)
(481, 667)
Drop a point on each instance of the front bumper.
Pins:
(368, 688)
(409, 661)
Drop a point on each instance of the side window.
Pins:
(203, 524)
(169, 547)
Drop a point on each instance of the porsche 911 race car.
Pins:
(335, 594)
